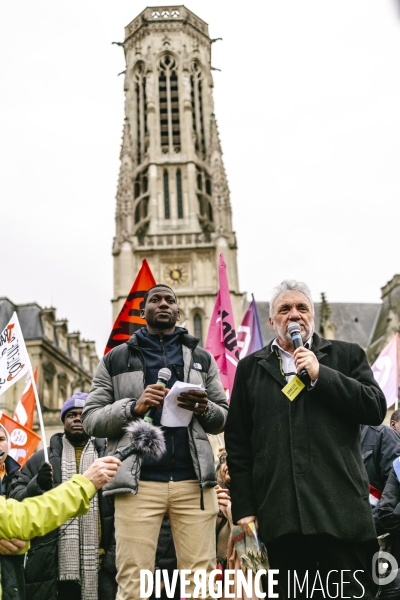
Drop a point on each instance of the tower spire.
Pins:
(173, 205)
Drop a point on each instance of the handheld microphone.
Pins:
(147, 440)
(294, 332)
(164, 375)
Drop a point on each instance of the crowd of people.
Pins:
(304, 440)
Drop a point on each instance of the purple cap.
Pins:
(77, 401)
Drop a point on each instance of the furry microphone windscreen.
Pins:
(147, 440)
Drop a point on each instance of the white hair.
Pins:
(290, 285)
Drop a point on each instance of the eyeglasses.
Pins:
(222, 458)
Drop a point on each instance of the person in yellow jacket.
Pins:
(41, 514)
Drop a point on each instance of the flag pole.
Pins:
(39, 410)
(257, 320)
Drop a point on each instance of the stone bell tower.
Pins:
(173, 204)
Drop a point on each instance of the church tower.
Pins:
(173, 204)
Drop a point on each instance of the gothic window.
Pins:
(169, 105)
(141, 189)
(198, 328)
(197, 108)
(204, 197)
(179, 194)
(141, 117)
(166, 195)
(141, 210)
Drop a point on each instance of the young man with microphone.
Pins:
(129, 386)
(293, 443)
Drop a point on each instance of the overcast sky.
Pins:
(308, 108)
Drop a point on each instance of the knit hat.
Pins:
(77, 401)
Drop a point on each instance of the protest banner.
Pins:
(25, 409)
(23, 441)
(249, 333)
(221, 338)
(386, 371)
(14, 363)
(129, 319)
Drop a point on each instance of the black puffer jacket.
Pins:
(12, 567)
(41, 571)
(380, 445)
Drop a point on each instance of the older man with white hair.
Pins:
(293, 443)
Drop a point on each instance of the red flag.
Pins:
(23, 441)
(25, 408)
(129, 319)
(221, 339)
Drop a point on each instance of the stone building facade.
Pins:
(66, 362)
(173, 205)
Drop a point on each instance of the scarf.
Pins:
(78, 544)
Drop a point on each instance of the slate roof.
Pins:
(28, 316)
(354, 321)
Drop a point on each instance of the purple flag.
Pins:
(249, 333)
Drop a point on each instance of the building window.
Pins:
(198, 328)
(166, 195)
(197, 108)
(141, 205)
(141, 117)
(62, 388)
(141, 210)
(179, 194)
(204, 197)
(169, 105)
(141, 184)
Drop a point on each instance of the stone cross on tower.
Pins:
(173, 204)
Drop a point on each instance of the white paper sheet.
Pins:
(172, 414)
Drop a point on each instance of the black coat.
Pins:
(380, 445)
(12, 567)
(389, 512)
(41, 571)
(297, 465)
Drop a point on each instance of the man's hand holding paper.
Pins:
(181, 402)
(194, 400)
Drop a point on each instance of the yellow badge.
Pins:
(293, 388)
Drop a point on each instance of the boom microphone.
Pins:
(147, 440)
(164, 375)
(294, 332)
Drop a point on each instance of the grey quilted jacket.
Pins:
(120, 378)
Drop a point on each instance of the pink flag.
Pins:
(249, 333)
(221, 339)
(386, 371)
